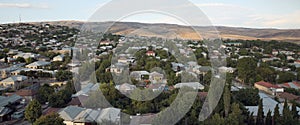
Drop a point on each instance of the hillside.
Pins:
(185, 32)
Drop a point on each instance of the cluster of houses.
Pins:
(22, 35)
(11, 76)
(272, 95)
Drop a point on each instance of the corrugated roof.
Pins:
(4, 101)
(268, 104)
(69, 113)
(39, 63)
(15, 78)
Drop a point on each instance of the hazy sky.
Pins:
(239, 13)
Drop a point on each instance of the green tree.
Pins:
(51, 119)
(251, 120)
(287, 116)
(226, 98)
(260, 113)
(216, 120)
(294, 111)
(276, 116)
(268, 118)
(248, 96)
(298, 74)
(62, 75)
(246, 69)
(235, 117)
(285, 77)
(60, 99)
(33, 111)
(21, 59)
(44, 93)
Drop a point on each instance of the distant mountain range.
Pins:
(187, 32)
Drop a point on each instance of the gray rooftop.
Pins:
(4, 101)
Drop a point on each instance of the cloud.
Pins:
(289, 20)
(23, 5)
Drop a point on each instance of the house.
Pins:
(5, 114)
(43, 58)
(293, 85)
(110, 114)
(203, 70)
(177, 66)
(14, 82)
(226, 69)
(142, 120)
(233, 44)
(297, 62)
(191, 65)
(30, 92)
(194, 85)
(157, 87)
(275, 52)
(125, 60)
(139, 75)
(74, 115)
(269, 59)
(70, 113)
(105, 43)
(117, 68)
(58, 58)
(202, 95)
(38, 65)
(268, 87)
(150, 53)
(289, 97)
(156, 77)
(125, 88)
(86, 89)
(268, 104)
(6, 100)
(25, 55)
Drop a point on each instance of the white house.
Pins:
(125, 88)
(58, 58)
(37, 65)
(156, 77)
(74, 115)
(14, 82)
(25, 55)
(139, 75)
(194, 85)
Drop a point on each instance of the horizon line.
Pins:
(275, 28)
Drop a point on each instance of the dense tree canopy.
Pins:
(33, 111)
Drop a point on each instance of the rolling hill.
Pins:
(187, 32)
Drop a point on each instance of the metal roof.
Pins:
(4, 101)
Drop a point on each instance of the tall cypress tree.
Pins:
(276, 116)
(294, 111)
(251, 120)
(287, 116)
(260, 113)
(226, 98)
(268, 118)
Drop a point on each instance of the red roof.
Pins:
(267, 84)
(25, 92)
(51, 110)
(150, 52)
(287, 85)
(288, 96)
(202, 94)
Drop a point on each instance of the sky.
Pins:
(283, 14)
